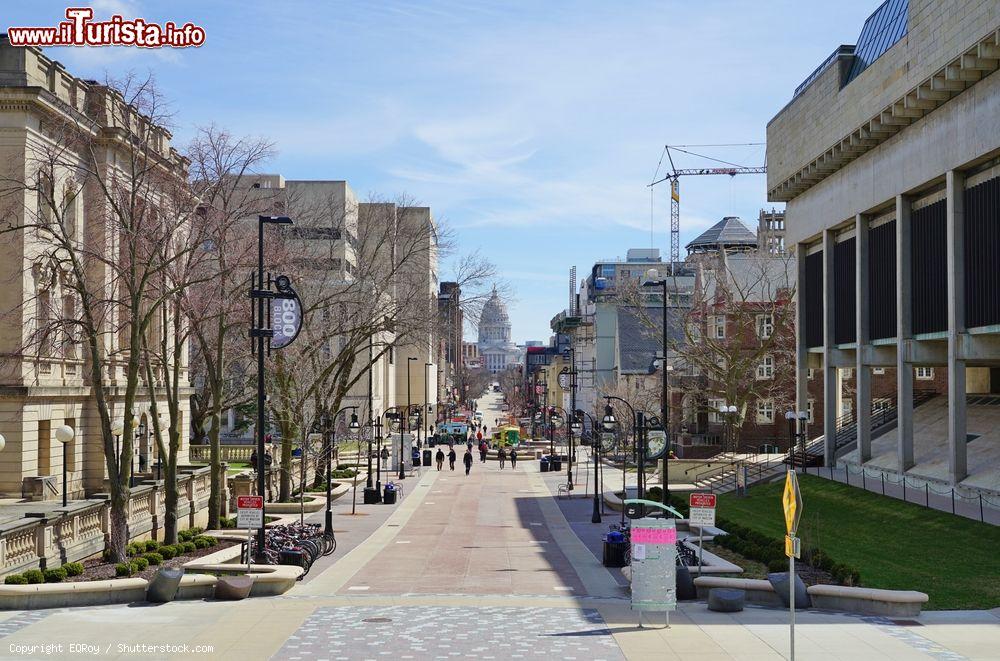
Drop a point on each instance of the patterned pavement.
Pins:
(448, 632)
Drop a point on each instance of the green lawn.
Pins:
(895, 545)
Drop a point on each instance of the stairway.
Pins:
(883, 420)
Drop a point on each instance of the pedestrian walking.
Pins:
(440, 458)
(467, 459)
(451, 458)
(513, 458)
(483, 449)
(502, 456)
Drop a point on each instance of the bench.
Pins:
(756, 591)
(564, 490)
(870, 601)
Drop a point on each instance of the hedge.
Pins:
(757, 546)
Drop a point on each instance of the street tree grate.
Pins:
(377, 620)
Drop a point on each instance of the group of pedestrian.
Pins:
(502, 456)
(452, 456)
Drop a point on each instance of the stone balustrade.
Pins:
(229, 453)
(81, 530)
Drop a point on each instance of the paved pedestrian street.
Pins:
(408, 632)
(483, 566)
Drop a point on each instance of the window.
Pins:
(811, 410)
(846, 407)
(765, 370)
(765, 411)
(713, 406)
(809, 373)
(717, 326)
(392, 356)
(43, 316)
(44, 447)
(847, 373)
(878, 370)
(925, 373)
(765, 325)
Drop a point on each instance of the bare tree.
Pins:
(224, 171)
(116, 156)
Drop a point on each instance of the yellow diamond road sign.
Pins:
(791, 502)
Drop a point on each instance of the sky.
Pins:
(532, 129)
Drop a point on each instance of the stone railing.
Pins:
(79, 531)
(230, 453)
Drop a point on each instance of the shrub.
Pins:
(140, 563)
(55, 575)
(151, 545)
(123, 569)
(189, 547)
(184, 535)
(201, 543)
(34, 576)
(777, 566)
(15, 579)
(167, 552)
(73, 568)
(135, 548)
(153, 558)
(207, 538)
(227, 523)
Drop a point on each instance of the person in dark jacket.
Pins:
(467, 460)
(451, 458)
(440, 458)
(513, 458)
(502, 456)
(483, 449)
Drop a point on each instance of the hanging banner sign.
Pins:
(286, 314)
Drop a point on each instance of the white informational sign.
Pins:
(249, 512)
(654, 564)
(702, 509)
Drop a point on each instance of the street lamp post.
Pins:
(260, 292)
(426, 410)
(402, 474)
(64, 434)
(727, 411)
(332, 428)
(572, 407)
(637, 436)
(653, 280)
(797, 433)
(117, 428)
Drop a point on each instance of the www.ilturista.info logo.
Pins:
(81, 30)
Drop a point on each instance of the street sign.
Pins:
(656, 443)
(564, 380)
(249, 512)
(702, 509)
(607, 441)
(286, 319)
(791, 502)
(793, 546)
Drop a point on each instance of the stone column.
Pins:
(801, 345)
(863, 373)
(957, 459)
(830, 376)
(904, 333)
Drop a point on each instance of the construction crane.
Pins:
(674, 176)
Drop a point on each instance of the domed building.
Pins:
(496, 351)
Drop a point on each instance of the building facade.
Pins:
(46, 379)
(496, 350)
(888, 160)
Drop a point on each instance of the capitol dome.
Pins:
(495, 347)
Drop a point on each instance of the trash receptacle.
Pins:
(427, 457)
(615, 549)
(543, 465)
(389, 495)
(371, 496)
(415, 457)
(555, 464)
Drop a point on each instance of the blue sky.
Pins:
(531, 128)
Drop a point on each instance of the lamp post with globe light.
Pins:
(352, 428)
(64, 434)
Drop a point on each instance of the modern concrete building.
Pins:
(888, 160)
(45, 381)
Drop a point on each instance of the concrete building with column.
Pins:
(888, 160)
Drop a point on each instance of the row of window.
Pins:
(717, 326)
(919, 373)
